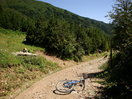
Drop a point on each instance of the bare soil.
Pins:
(61, 63)
(44, 88)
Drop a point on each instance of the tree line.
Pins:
(119, 70)
(60, 32)
(67, 40)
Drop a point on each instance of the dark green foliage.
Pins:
(119, 73)
(33, 10)
(14, 20)
(122, 24)
(59, 38)
(118, 76)
(60, 32)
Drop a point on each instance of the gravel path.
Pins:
(43, 89)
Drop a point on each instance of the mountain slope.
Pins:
(60, 32)
(37, 9)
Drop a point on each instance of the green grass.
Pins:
(94, 56)
(16, 70)
(11, 41)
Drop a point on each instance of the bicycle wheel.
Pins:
(64, 86)
(79, 86)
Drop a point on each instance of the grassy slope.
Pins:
(12, 41)
(15, 70)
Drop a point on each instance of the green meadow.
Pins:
(16, 70)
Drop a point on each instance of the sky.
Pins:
(94, 9)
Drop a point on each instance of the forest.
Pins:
(70, 36)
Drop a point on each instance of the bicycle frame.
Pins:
(70, 83)
(67, 86)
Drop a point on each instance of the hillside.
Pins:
(17, 70)
(58, 31)
(34, 10)
(21, 71)
(64, 37)
(36, 26)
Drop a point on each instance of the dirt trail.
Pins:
(43, 89)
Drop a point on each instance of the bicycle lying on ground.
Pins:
(67, 86)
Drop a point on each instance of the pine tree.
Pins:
(122, 21)
(121, 69)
